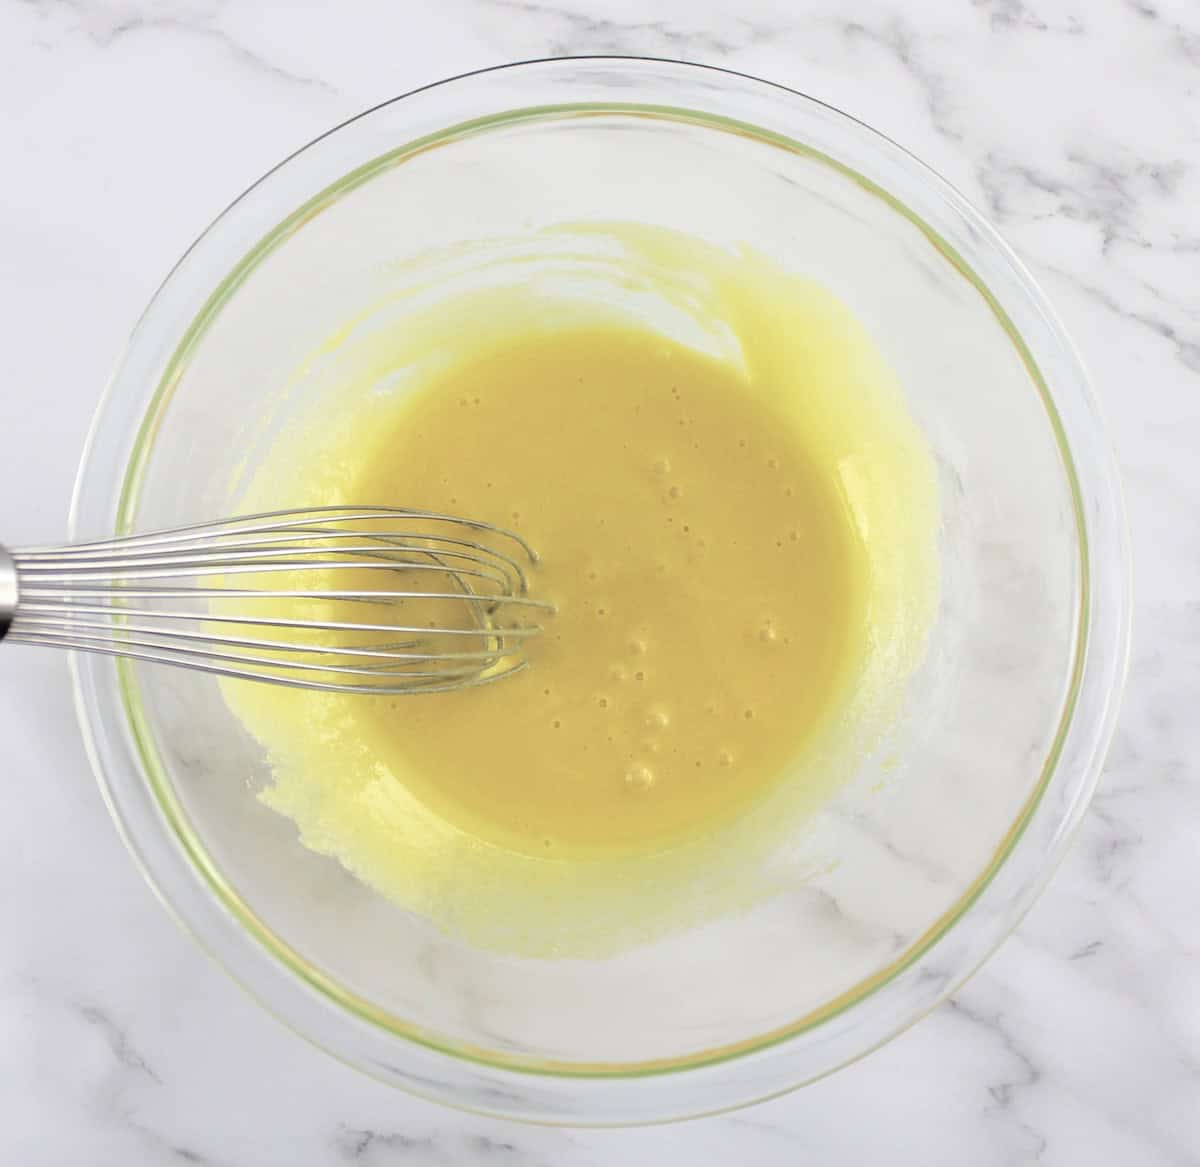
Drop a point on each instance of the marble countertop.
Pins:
(1075, 124)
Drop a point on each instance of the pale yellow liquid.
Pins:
(707, 576)
(739, 543)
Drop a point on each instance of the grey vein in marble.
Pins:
(899, 39)
(106, 24)
(582, 32)
(370, 1147)
(118, 1041)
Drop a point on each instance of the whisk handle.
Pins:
(8, 590)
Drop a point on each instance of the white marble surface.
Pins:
(125, 124)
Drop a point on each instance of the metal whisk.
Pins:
(375, 599)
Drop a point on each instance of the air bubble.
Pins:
(658, 718)
(639, 777)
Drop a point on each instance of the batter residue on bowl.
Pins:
(735, 519)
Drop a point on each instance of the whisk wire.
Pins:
(100, 597)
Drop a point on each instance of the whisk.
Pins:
(373, 599)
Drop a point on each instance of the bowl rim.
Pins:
(1112, 619)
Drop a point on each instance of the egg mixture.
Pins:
(735, 519)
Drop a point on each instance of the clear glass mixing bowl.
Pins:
(914, 872)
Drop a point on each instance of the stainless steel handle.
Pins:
(8, 590)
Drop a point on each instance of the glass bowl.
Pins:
(913, 873)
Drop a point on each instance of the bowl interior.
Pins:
(902, 846)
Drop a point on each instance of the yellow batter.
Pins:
(735, 520)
